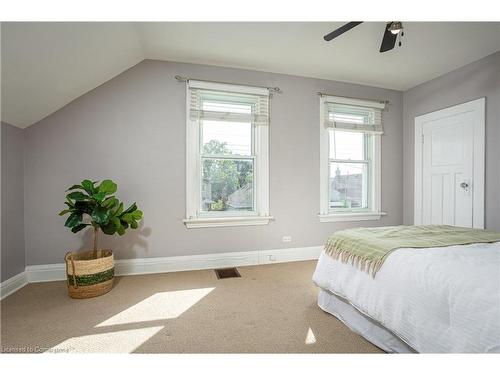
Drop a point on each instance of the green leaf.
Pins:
(116, 223)
(69, 202)
(128, 218)
(137, 214)
(134, 224)
(64, 212)
(107, 187)
(88, 186)
(109, 229)
(120, 230)
(119, 210)
(100, 215)
(79, 227)
(85, 207)
(133, 207)
(74, 219)
(77, 196)
(74, 187)
(99, 196)
(110, 202)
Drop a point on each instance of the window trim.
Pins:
(194, 218)
(374, 211)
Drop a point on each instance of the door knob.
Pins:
(464, 185)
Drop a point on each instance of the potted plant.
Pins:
(93, 205)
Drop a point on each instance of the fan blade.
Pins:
(341, 30)
(389, 39)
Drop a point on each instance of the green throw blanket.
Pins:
(367, 248)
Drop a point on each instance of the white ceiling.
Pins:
(47, 65)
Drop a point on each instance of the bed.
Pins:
(443, 299)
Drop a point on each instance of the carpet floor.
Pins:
(270, 309)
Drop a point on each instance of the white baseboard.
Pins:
(13, 284)
(46, 272)
(140, 266)
(293, 254)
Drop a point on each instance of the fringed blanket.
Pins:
(367, 248)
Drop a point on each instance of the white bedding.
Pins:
(437, 300)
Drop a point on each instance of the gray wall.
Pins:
(13, 250)
(476, 80)
(132, 130)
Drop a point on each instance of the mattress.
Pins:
(362, 324)
(436, 300)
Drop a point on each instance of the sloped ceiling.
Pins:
(47, 65)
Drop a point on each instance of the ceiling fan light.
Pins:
(396, 27)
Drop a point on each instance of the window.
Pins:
(227, 155)
(350, 159)
(350, 166)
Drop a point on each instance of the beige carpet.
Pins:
(270, 309)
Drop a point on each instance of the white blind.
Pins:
(352, 117)
(231, 106)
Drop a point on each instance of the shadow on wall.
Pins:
(484, 81)
(124, 247)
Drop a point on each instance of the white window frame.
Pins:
(260, 133)
(373, 212)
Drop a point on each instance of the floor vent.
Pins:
(226, 273)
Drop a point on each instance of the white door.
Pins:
(449, 166)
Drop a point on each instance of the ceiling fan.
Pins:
(392, 30)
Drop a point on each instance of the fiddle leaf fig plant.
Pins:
(93, 204)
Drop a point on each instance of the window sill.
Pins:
(238, 221)
(350, 216)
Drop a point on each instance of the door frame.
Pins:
(477, 107)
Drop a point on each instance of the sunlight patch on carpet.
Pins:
(123, 341)
(159, 306)
(310, 338)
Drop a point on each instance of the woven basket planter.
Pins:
(88, 276)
